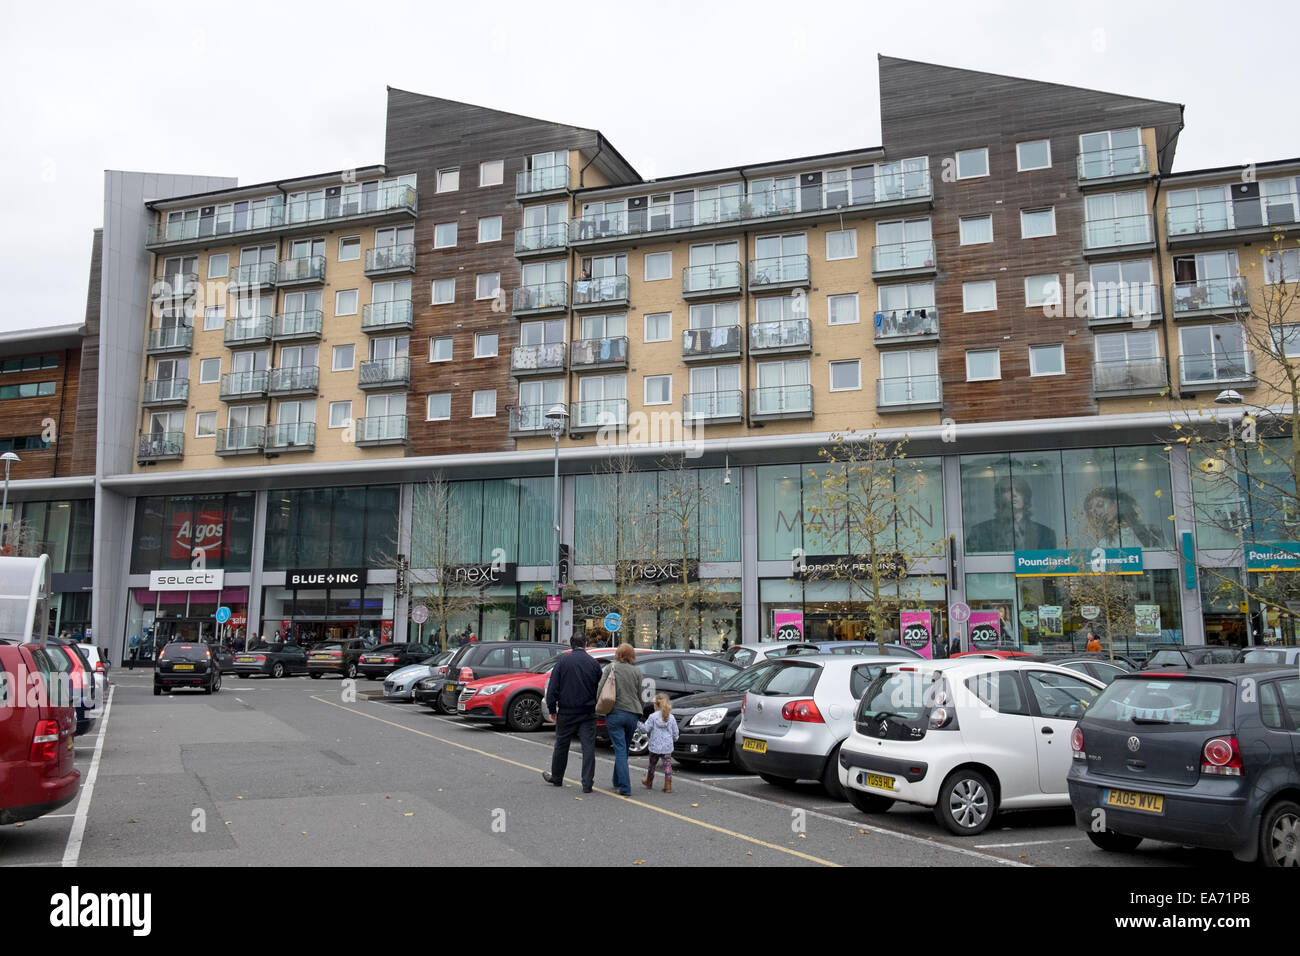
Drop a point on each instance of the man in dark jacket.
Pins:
(571, 697)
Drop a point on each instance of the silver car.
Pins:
(794, 720)
(400, 684)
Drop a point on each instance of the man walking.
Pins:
(571, 697)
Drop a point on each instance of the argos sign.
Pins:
(205, 530)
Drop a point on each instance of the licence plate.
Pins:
(754, 746)
(879, 780)
(244, 660)
(182, 667)
(461, 708)
(1129, 800)
(450, 688)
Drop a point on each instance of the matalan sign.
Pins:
(186, 580)
(325, 578)
(893, 566)
(658, 572)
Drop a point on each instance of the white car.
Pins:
(965, 737)
(97, 661)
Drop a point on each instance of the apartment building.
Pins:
(1015, 280)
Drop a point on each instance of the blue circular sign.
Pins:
(223, 615)
(613, 621)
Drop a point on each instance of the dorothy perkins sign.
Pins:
(1055, 563)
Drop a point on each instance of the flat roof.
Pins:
(337, 176)
(42, 339)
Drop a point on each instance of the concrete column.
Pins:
(751, 624)
(1180, 463)
(257, 559)
(402, 602)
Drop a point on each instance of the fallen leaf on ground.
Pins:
(408, 814)
(695, 804)
(638, 862)
(749, 853)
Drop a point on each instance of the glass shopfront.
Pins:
(836, 610)
(308, 616)
(156, 618)
(332, 528)
(175, 531)
(655, 616)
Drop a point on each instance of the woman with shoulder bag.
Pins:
(626, 710)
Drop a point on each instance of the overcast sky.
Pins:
(270, 90)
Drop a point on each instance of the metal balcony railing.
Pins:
(906, 324)
(302, 270)
(719, 277)
(252, 275)
(1117, 232)
(717, 342)
(385, 373)
(908, 390)
(245, 440)
(778, 272)
(786, 335)
(529, 419)
(537, 359)
(167, 391)
(381, 430)
(1127, 376)
(253, 330)
(603, 413)
(291, 436)
(386, 316)
(1218, 368)
(542, 179)
(1211, 296)
(780, 401)
(178, 338)
(1274, 211)
(607, 290)
(161, 446)
(319, 209)
(549, 296)
(727, 404)
(553, 235)
(914, 256)
(240, 385)
(383, 260)
(175, 285)
(1114, 163)
(298, 325)
(294, 379)
(599, 353)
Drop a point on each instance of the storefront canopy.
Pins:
(24, 593)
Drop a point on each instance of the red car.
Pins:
(514, 701)
(37, 724)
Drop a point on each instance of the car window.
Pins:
(743, 656)
(1270, 707)
(1107, 672)
(1259, 656)
(496, 657)
(1290, 689)
(999, 690)
(903, 693)
(707, 672)
(860, 678)
(1225, 655)
(183, 652)
(745, 679)
(660, 670)
(60, 661)
(1178, 701)
(790, 678)
(1061, 695)
(1167, 659)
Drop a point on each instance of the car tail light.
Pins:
(941, 717)
(260, 658)
(467, 673)
(45, 742)
(1076, 744)
(209, 654)
(390, 660)
(802, 710)
(1221, 756)
(99, 667)
(743, 701)
(336, 654)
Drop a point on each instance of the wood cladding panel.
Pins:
(85, 431)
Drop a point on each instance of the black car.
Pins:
(1094, 665)
(677, 674)
(273, 660)
(707, 722)
(383, 659)
(184, 664)
(1180, 655)
(489, 659)
(1207, 757)
(336, 657)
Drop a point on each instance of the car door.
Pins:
(702, 675)
(663, 678)
(1059, 702)
(1003, 733)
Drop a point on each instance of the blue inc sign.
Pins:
(1056, 563)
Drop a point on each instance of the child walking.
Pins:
(662, 726)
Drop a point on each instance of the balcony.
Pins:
(292, 326)
(1108, 167)
(386, 430)
(384, 373)
(716, 408)
(161, 446)
(291, 436)
(1201, 372)
(542, 181)
(779, 272)
(529, 300)
(712, 344)
(166, 391)
(178, 338)
(912, 393)
(1209, 223)
(242, 386)
(529, 420)
(179, 285)
(540, 240)
(711, 281)
(605, 292)
(587, 355)
(307, 270)
(775, 338)
(1120, 303)
(380, 317)
(254, 277)
(390, 260)
(248, 440)
(594, 416)
(1211, 298)
(901, 259)
(1121, 234)
(526, 360)
(906, 326)
(1139, 376)
(293, 380)
(253, 330)
(782, 401)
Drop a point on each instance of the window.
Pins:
(1046, 360)
(340, 414)
(1286, 338)
(983, 365)
(345, 302)
(209, 371)
(440, 348)
(1283, 266)
(972, 163)
(205, 425)
(658, 389)
(1111, 153)
(842, 309)
(846, 376)
(219, 265)
(485, 403)
(491, 173)
(1120, 290)
(1042, 290)
(976, 230)
(344, 358)
(448, 180)
(439, 406)
(658, 265)
(444, 235)
(1035, 223)
(485, 344)
(349, 248)
(214, 317)
(842, 244)
(487, 285)
(444, 291)
(979, 296)
(1033, 155)
(489, 229)
(659, 327)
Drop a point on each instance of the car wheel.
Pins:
(524, 713)
(1113, 842)
(1279, 835)
(315, 675)
(867, 802)
(157, 691)
(350, 672)
(831, 776)
(736, 762)
(783, 782)
(966, 803)
(278, 670)
(639, 744)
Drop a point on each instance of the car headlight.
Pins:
(490, 689)
(707, 718)
(428, 683)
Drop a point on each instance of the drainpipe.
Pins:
(744, 276)
(600, 148)
(1167, 318)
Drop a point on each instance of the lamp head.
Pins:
(1229, 396)
(8, 457)
(557, 414)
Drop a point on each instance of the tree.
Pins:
(1097, 584)
(21, 540)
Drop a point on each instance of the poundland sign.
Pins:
(1056, 563)
(1274, 556)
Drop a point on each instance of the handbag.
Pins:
(608, 694)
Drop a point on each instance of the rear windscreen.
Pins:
(905, 694)
(1183, 702)
(1264, 657)
(790, 680)
(183, 652)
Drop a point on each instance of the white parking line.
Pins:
(73, 850)
(991, 846)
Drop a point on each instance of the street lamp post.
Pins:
(555, 421)
(8, 458)
(1231, 396)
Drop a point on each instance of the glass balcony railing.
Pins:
(1117, 232)
(911, 256)
(385, 373)
(543, 179)
(541, 298)
(529, 419)
(1130, 375)
(167, 391)
(1113, 163)
(174, 286)
(364, 203)
(907, 323)
(159, 446)
(247, 440)
(253, 275)
(178, 338)
(1277, 210)
(252, 330)
(598, 353)
(1122, 301)
(1217, 368)
(386, 259)
(713, 405)
(554, 235)
(605, 413)
(298, 325)
(778, 271)
(781, 401)
(716, 342)
(236, 386)
(1212, 296)
(294, 379)
(908, 390)
(716, 277)
(607, 290)
(383, 430)
(303, 270)
(537, 359)
(787, 335)
(291, 436)
(386, 316)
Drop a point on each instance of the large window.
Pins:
(331, 527)
(174, 531)
(510, 514)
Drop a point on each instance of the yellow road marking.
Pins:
(515, 763)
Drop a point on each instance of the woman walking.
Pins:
(622, 720)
